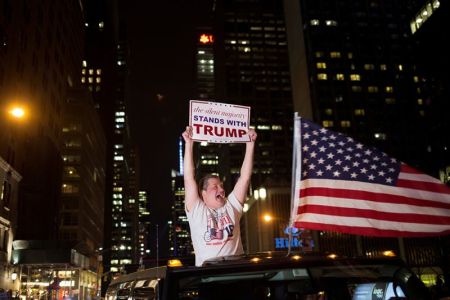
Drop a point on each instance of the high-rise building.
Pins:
(36, 72)
(83, 183)
(144, 226)
(354, 70)
(245, 49)
(180, 244)
(104, 72)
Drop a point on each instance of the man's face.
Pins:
(214, 196)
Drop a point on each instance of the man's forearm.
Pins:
(247, 164)
(189, 168)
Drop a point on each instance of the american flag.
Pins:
(342, 185)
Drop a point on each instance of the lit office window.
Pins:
(319, 54)
(379, 136)
(314, 22)
(277, 127)
(327, 123)
(91, 71)
(350, 55)
(328, 111)
(322, 76)
(118, 158)
(389, 89)
(83, 71)
(369, 67)
(84, 63)
(383, 67)
(416, 79)
(420, 101)
(356, 88)
(98, 80)
(340, 77)
(359, 112)
(400, 67)
(321, 65)
(83, 79)
(355, 77)
(372, 89)
(99, 71)
(390, 100)
(331, 23)
(335, 54)
(345, 123)
(91, 80)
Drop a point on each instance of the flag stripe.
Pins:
(357, 221)
(418, 177)
(383, 198)
(372, 213)
(426, 186)
(429, 197)
(368, 231)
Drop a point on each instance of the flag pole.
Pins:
(296, 172)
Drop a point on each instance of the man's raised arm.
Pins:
(190, 185)
(241, 187)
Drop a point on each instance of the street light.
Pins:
(267, 218)
(17, 112)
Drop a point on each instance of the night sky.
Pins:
(161, 83)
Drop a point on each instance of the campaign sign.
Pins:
(219, 122)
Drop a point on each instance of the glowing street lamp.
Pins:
(17, 112)
(267, 218)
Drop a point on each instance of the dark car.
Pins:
(275, 276)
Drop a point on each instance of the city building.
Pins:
(354, 70)
(144, 226)
(9, 187)
(83, 183)
(180, 244)
(104, 72)
(245, 49)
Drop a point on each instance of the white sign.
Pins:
(219, 122)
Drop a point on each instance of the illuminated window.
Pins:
(416, 79)
(390, 100)
(84, 64)
(355, 77)
(101, 25)
(99, 71)
(356, 88)
(91, 71)
(350, 55)
(372, 89)
(314, 22)
(319, 54)
(68, 188)
(335, 54)
(83, 71)
(379, 136)
(90, 80)
(345, 123)
(98, 80)
(331, 23)
(420, 101)
(263, 127)
(83, 80)
(359, 112)
(321, 65)
(369, 67)
(389, 89)
(119, 114)
(118, 158)
(206, 38)
(327, 123)
(400, 67)
(422, 113)
(328, 111)
(383, 67)
(71, 172)
(120, 120)
(277, 127)
(340, 76)
(322, 76)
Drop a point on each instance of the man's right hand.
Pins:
(187, 135)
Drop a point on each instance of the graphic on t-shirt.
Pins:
(218, 223)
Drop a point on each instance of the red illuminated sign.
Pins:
(206, 38)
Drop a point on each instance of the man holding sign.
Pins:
(214, 218)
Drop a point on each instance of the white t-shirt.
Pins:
(215, 232)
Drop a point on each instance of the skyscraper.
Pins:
(354, 70)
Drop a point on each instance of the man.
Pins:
(214, 218)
